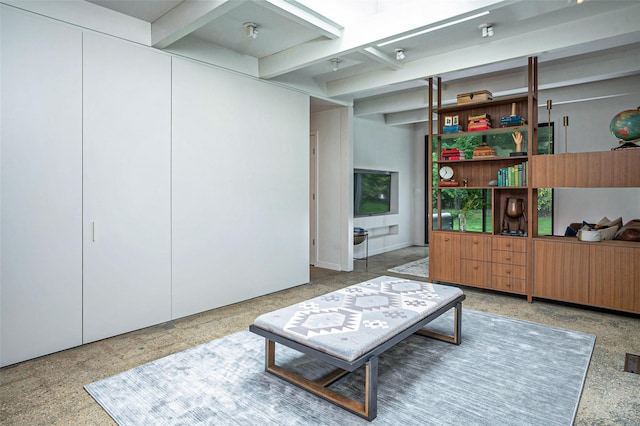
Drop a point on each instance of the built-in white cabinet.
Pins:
(240, 194)
(138, 188)
(41, 187)
(127, 187)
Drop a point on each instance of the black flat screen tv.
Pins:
(371, 193)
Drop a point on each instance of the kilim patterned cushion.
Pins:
(350, 322)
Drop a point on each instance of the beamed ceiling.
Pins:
(594, 40)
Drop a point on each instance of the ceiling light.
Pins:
(334, 64)
(487, 30)
(400, 54)
(437, 27)
(252, 29)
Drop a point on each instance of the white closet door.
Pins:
(127, 166)
(41, 179)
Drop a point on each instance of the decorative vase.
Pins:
(462, 222)
(515, 207)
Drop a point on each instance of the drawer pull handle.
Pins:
(507, 272)
(475, 267)
(508, 245)
(508, 257)
(475, 242)
(446, 239)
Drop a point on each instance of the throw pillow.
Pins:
(608, 233)
(629, 232)
(606, 223)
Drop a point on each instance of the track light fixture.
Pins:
(252, 29)
(334, 64)
(400, 54)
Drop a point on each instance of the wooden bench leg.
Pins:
(457, 328)
(368, 409)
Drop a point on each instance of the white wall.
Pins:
(390, 148)
(334, 188)
(590, 108)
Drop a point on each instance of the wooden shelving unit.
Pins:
(604, 274)
(606, 169)
(486, 259)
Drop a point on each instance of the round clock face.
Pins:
(446, 172)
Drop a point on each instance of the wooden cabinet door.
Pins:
(561, 271)
(614, 277)
(127, 187)
(444, 257)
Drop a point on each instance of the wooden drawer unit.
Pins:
(475, 264)
(475, 273)
(518, 244)
(505, 277)
(509, 271)
(476, 247)
(509, 264)
(509, 284)
(509, 258)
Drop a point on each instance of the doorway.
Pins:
(313, 213)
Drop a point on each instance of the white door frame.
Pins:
(313, 202)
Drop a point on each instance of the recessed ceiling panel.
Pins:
(145, 10)
(275, 32)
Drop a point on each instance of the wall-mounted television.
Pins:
(374, 192)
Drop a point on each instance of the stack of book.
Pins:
(479, 122)
(452, 154)
(515, 175)
(453, 128)
(512, 120)
(484, 150)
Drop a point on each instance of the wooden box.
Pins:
(480, 96)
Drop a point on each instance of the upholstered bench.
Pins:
(351, 327)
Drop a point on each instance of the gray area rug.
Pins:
(418, 268)
(505, 372)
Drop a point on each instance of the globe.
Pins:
(626, 125)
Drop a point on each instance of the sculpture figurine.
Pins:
(517, 138)
(514, 211)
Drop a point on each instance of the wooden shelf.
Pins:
(492, 131)
(606, 169)
(575, 240)
(475, 108)
(477, 159)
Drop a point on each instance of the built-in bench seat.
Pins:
(351, 327)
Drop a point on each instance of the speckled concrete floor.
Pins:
(49, 390)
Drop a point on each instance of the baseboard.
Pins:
(326, 265)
